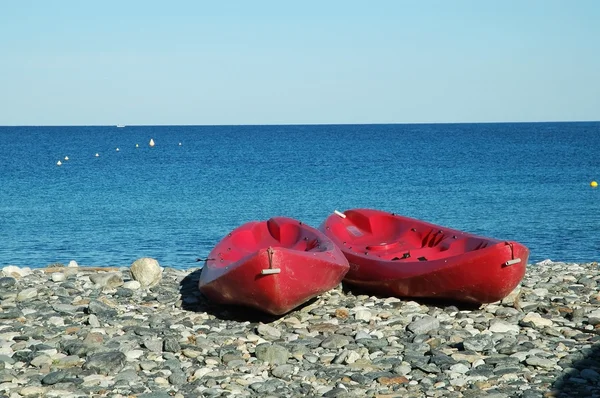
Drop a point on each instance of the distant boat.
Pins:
(120, 125)
(151, 142)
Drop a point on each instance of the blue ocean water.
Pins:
(528, 182)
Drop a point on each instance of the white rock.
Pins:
(32, 391)
(201, 372)
(58, 277)
(60, 393)
(93, 321)
(363, 315)
(56, 321)
(509, 377)
(500, 326)
(352, 357)
(252, 337)
(132, 285)
(41, 360)
(9, 335)
(96, 380)
(268, 331)
(540, 362)
(134, 354)
(6, 350)
(147, 271)
(8, 386)
(108, 280)
(521, 356)
(73, 264)
(16, 272)
(537, 319)
(459, 381)
(27, 294)
(51, 352)
(594, 314)
(459, 368)
(512, 296)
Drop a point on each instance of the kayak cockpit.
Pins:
(400, 239)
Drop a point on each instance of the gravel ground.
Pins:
(80, 332)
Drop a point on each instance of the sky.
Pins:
(180, 62)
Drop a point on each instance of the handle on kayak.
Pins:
(339, 213)
(513, 261)
(270, 271)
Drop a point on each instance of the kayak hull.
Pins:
(392, 255)
(273, 266)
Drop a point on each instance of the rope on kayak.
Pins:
(270, 270)
(512, 253)
(204, 259)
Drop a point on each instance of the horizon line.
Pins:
(294, 124)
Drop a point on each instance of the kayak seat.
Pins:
(451, 247)
(359, 220)
(246, 240)
(380, 226)
(286, 233)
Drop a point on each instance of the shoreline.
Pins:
(94, 331)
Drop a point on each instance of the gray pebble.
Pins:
(7, 282)
(100, 309)
(106, 362)
(272, 353)
(54, 377)
(424, 325)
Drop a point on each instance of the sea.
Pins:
(114, 198)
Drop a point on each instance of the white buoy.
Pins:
(66, 158)
(58, 163)
(151, 142)
(137, 145)
(117, 149)
(180, 144)
(97, 154)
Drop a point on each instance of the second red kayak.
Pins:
(274, 266)
(399, 256)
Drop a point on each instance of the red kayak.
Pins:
(272, 265)
(391, 255)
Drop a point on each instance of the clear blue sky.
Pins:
(282, 62)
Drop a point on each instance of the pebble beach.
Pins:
(73, 331)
